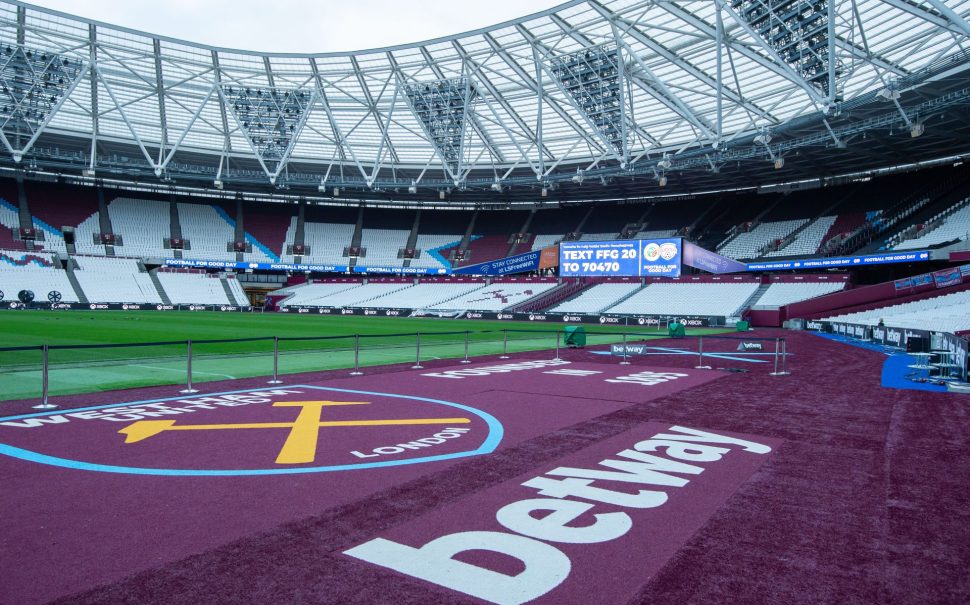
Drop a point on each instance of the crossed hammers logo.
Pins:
(301, 443)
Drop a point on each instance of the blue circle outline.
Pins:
(495, 433)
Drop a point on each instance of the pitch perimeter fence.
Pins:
(40, 372)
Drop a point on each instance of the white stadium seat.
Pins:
(114, 280)
(597, 298)
(779, 294)
(496, 297)
(947, 313)
(38, 272)
(748, 244)
(193, 288)
(686, 298)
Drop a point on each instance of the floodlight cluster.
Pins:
(797, 29)
(440, 106)
(32, 83)
(591, 77)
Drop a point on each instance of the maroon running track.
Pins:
(861, 498)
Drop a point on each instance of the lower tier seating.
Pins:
(115, 280)
(597, 298)
(947, 313)
(38, 272)
(704, 299)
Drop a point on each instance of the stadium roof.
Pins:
(624, 94)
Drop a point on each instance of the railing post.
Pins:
(505, 344)
(784, 358)
(188, 370)
(276, 362)
(466, 360)
(556, 358)
(45, 403)
(776, 372)
(356, 371)
(700, 355)
(625, 362)
(417, 363)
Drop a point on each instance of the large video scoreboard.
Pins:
(621, 258)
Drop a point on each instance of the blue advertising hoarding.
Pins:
(621, 258)
(520, 263)
(303, 267)
(882, 258)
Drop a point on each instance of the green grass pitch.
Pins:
(383, 340)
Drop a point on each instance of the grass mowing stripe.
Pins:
(386, 340)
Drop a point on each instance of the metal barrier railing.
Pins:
(461, 348)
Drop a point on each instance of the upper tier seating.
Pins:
(808, 240)
(382, 247)
(84, 236)
(597, 298)
(53, 239)
(749, 243)
(495, 297)
(544, 241)
(115, 280)
(9, 225)
(948, 313)
(485, 248)
(312, 294)
(207, 233)
(193, 288)
(38, 272)
(426, 243)
(686, 298)
(656, 234)
(954, 226)
(421, 296)
(325, 241)
(143, 226)
(779, 294)
(597, 237)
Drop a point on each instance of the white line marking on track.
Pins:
(182, 371)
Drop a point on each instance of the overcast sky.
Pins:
(301, 25)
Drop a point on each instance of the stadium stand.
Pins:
(423, 295)
(238, 294)
(779, 294)
(193, 288)
(495, 297)
(345, 297)
(325, 242)
(655, 234)
(383, 246)
(311, 294)
(808, 240)
(749, 244)
(678, 298)
(597, 237)
(267, 224)
(429, 246)
(953, 224)
(143, 226)
(946, 313)
(207, 232)
(115, 280)
(544, 241)
(597, 298)
(9, 225)
(61, 206)
(38, 272)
